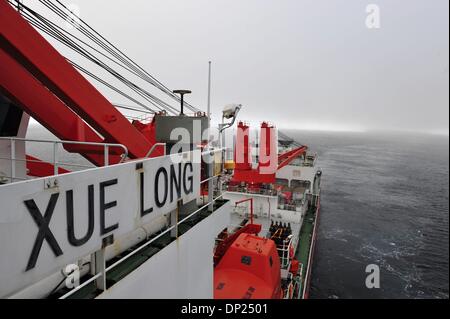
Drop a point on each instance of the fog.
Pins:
(299, 64)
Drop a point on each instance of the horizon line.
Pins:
(442, 133)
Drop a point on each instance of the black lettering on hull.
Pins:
(175, 179)
(190, 189)
(160, 203)
(142, 192)
(70, 218)
(44, 232)
(104, 206)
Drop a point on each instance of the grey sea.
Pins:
(385, 201)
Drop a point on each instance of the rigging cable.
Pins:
(109, 47)
(62, 36)
(289, 139)
(54, 31)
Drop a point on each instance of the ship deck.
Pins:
(302, 232)
(304, 246)
(90, 291)
(265, 222)
(306, 232)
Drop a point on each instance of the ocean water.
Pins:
(385, 201)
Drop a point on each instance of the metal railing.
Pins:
(290, 207)
(296, 287)
(254, 191)
(309, 161)
(299, 281)
(311, 250)
(148, 242)
(284, 253)
(173, 227)
(55, 162)
(152, 149)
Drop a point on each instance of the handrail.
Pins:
(285, 258)
(38, 161)
(175, 226)
(66, 142)
(55, 162)
(311, 250)
(259, 191)
(145, 244)
(154, 147)
(214, 150)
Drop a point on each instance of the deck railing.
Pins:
(173, 229)
(284, 252)
(54, 149)
(256, 191)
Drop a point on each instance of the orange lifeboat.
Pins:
(250, 268)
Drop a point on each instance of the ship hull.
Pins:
(312, 250)
(306, 248)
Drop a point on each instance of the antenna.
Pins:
(208, 105)
(208, 110)
(182, 93)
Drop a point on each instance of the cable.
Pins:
(130, 108)
(47, 29)
(61, 38)
(50, 29)
(288, 139)
(75, 43)
(109, 47)
(90, 74)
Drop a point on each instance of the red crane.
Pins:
(269, 161)
(38, 79)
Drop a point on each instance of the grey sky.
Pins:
(300, 64)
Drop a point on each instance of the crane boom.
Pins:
(41, 60)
